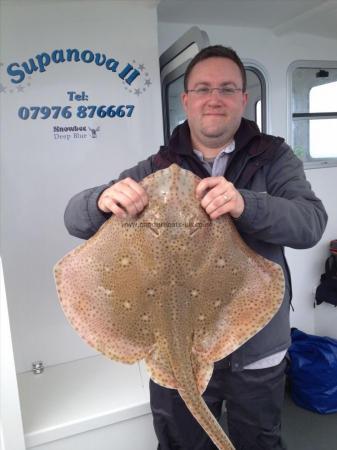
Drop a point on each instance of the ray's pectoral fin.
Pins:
(106, 310)
(159, 368)
(235, 314)
(243, 291)
(161, 372)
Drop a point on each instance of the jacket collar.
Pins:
(180, 141)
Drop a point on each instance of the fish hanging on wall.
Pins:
(172, 287)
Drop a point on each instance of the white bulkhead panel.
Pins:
(80, 102)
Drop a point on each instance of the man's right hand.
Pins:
(124, 198)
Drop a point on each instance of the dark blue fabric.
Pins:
(313, 372)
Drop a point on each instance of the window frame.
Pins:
(263, 76)
(307, 64)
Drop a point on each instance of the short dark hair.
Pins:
(218, 51)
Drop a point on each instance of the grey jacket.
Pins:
(280, 210)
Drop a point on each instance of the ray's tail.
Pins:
(203, 415)
(189, 393)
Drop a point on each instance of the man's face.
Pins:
(214, 118)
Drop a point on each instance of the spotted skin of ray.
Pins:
(171, 287)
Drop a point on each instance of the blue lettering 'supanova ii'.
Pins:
(40, 62)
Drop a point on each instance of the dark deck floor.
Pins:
(306, 430)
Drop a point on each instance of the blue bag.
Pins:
(313, 372)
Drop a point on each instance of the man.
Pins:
(256, 179)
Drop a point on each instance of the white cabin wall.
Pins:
(40, 173)
(273, 54)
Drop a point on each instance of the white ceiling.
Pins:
(317, 17)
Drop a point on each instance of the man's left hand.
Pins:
(219, 196)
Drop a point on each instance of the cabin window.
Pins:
(314, 112)
(176, 113)
(255, 110)
(256, 106)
